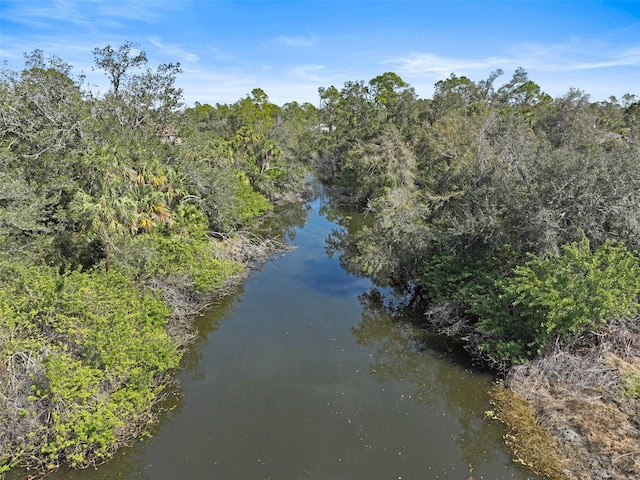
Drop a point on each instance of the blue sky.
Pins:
(290, 48)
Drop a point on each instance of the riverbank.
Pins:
(87, 356)
(572, 412)
(587, 401)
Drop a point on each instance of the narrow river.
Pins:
(298, 376)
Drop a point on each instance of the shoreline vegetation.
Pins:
(508, 219)
(122, 217)
(91, 405)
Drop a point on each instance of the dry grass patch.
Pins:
(587, 400)
(609, 434)
(629, 371)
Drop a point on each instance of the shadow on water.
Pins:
(439, 370)
(305, 373)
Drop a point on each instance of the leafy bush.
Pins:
(227, 197)
(195, 259)
(463, 277)
(560, 296)
(102, 348)
(251, 202)
(192, 262)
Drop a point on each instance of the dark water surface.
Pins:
(298, 377)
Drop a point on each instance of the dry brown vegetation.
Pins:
(588, 403)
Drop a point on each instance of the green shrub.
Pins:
(560, 296)
(464, 277)
(103, 346)
(193, 259)
(192, 262)
(252, 203)
(228, 199)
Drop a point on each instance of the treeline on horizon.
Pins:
(511, 217)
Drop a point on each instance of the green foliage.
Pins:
(367, 136)
(103, 348)
(463, 278)
(189, 220)
(197, 260)
(192, 262)
(559, 297)
(388, 250)
(459, 189)
(127, 181)
(632, 385)
(251, 203)
(242, 157)
(387, 88)
(227, 197)
(371, 169)
(487, 177)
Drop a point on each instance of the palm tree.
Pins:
(107, 214)
(270, 151)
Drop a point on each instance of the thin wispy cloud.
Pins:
(218, 54)
(539, 57)
(43, 16)
(298, 42)
(78, 53)
(87, 15)
(174, 50)
(429, 64)
(206, 86)
(289, 49)
(308, 72)
(629, 58)
(574, 55)
(147, 11)
(317, 76)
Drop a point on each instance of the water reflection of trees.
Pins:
(439, 369)
(283, 223)
(341, 240)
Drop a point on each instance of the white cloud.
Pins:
(147, 11)
(77, 53)
(174, 50)
(308, 72)
(429, 64)
(574, 55)
(38, 15)
(230, 85)
(595, 66)
(298, 41)
(215, 53)
(628, 58)
(88, 15)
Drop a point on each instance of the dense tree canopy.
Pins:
(483, 177)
